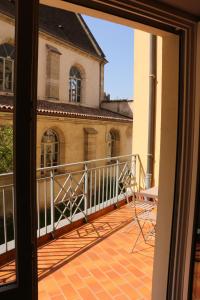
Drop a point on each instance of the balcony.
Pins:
(86, 232)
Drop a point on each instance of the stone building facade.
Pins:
(71, 124)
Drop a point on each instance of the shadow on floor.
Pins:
(62, 250)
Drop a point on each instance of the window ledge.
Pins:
(52, 99)
(3, 93)
(75, 103)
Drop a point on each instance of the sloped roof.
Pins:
(61, 24)
(49, 108)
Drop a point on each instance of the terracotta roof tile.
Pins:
(67, 110)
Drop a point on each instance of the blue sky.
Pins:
(116, 42)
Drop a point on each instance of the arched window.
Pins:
(6, 67)
(74, 85)
(113, 143)
(49, 149)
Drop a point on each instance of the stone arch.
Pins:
(82, 71)
(61, 140)
(113, 142)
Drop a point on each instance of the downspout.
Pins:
(100, 84)
(101, 81)
(152, 111)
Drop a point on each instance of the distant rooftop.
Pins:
(117, 100)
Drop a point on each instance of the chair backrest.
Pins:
(144, 203)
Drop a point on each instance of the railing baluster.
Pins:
(113, 183)
(4, 220)
(95, 189)
(52, 202)
(13, 200)
(106, 185)
(110, 183)
(117, 181)
(38, 209)
(86, 191)
(99, 192)
(103, 187)
(45, 204)
(70, 198)
(91, 174)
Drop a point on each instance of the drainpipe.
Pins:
(101, 82)
(151, 117)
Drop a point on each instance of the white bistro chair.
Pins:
(145, 217)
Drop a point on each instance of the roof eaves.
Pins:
(81, 115)
(9, 108)
(117, 113)
(6, 108)
(91, 36)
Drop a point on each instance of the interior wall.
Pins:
(141, 94)
(165, 137)
(169, 117)
(158, 111)
(141, 99)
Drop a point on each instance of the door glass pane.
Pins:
(7, 198)
(76, 190)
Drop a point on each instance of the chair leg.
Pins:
(140, 233)
(151, 233)
(141, 229)
(136, 242)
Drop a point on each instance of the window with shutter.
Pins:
(49, 149)
(52, 72)
(113, 139)
(6, 67)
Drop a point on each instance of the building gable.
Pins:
(64, 25)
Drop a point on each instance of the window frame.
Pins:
(5, 59)
(52, 153)
(113, 138)
(25, 96)
(111, 144)
(78, 86)
(156, 15)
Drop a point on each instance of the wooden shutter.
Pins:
(52, 74)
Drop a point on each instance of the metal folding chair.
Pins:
(145, 217)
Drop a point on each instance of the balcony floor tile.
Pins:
(95, 262)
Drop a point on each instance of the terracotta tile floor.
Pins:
(95, 262)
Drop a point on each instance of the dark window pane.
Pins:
(74, 85)
(1, 74)
(8, 75)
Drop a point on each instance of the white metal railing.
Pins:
(70, 192)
